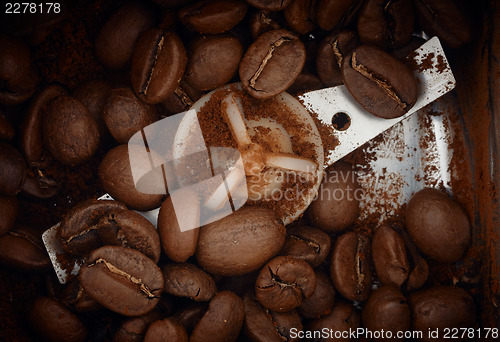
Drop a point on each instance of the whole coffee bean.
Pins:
(134, 329)
(40, 186)
(116, 178)
(439, 226)
(130, 229)
(383, 85)
(94, 95)
(187, 280)
(123, 280)
(272, 63)
(330, 13)
(70, 134)
(322, 299)
(167, 329)
(441, 307)
(54, 322)
(183, 97)
(307, 243)
(116, 40)
(271, 5)
(7, 131)
(261, 22)
(386, 23)
(74, 296)
(211, 17)
(337, 204)
(158, 64)
(21, 249)
(190, 314)
(260, 324)
(241, 242)
(389, 256)
(386, 310)
(284, 282)
(222, 321)
(212, 61)
(300, 16)
(9, 208)
(350, 266)
(342, 319)
(12, 170)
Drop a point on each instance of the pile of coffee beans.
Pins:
(245, 277)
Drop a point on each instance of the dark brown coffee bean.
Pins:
(350, 266)
(124, 114)
(383, 85)
(386, 23)
(54, 322)
(158, 64)
(271, 5)
(337, 204)
(168, 329)
(130, 229)
(283, 283)
(331, 54)
(262, 21)
(222, 321)
(300, 16)
(123, 280)
(332, 13)
(12, 170)
(21, 249)
(212, 61)
(116, 178)
(441, 307)
(241, 242)
(70, 134)
(322, 299)
(272, 63)
(73, 295)
(190, 314)
(183, 97)
(94, 95)
(117, 38)
(134, 329)
(386, 310)
(343, 319)
(40, 186)
(7, 131)
(307, 243)
(9, 208)
(187, 280)
(389, 256)
(78, 229)
(211, 17)
(439, 226)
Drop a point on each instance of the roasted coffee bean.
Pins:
(70, 134)
(12, 170)
(222, 321)
(386, 310)
(134, 329)
(212, 61)
(272, 63)
(190, 314)
(440, 307)
(389, 256)
(241, 242)
(55, 322)
(123, 280)
(187, 280)
(211, 17)
(342, 319)
(40, 186)
(158, 64)
(21, 249)
(78, 229)
(307, 243)
(262, 21)
(331, 54)
(260, 324)
(73, 295)
(443, 18)
(117, 38)
(300, 16)
(439, 226)
(350, 266)
(94, 95)
(130, 229)
(116, 178)
(168, 329)
(383, 85)
(7, 131)
(284, 282)
(337, 204)
(183, 97)
(270, 5)
(331, 13)
(386, 23)
(9, 208)
(322, 299)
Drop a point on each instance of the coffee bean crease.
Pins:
(266, 59)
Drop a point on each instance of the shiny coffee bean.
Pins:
(187, 280)
(211, 17)
(190, 314)
(271, 5)
(168, 329)
(300, 16)
(94, 95)
(9, 208)
(12, 170)
(134, 329)
(117, 38)
(350, 266)
(262, 21)
(7, 131)
(271, 63)
(222, 321)
(322, 299)
(74, 296)
(158, 64)
(284, 282)
(122, 280)
(329, 13)
(55, 322)
(307, 243)
(383, 85)
(343, 318)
